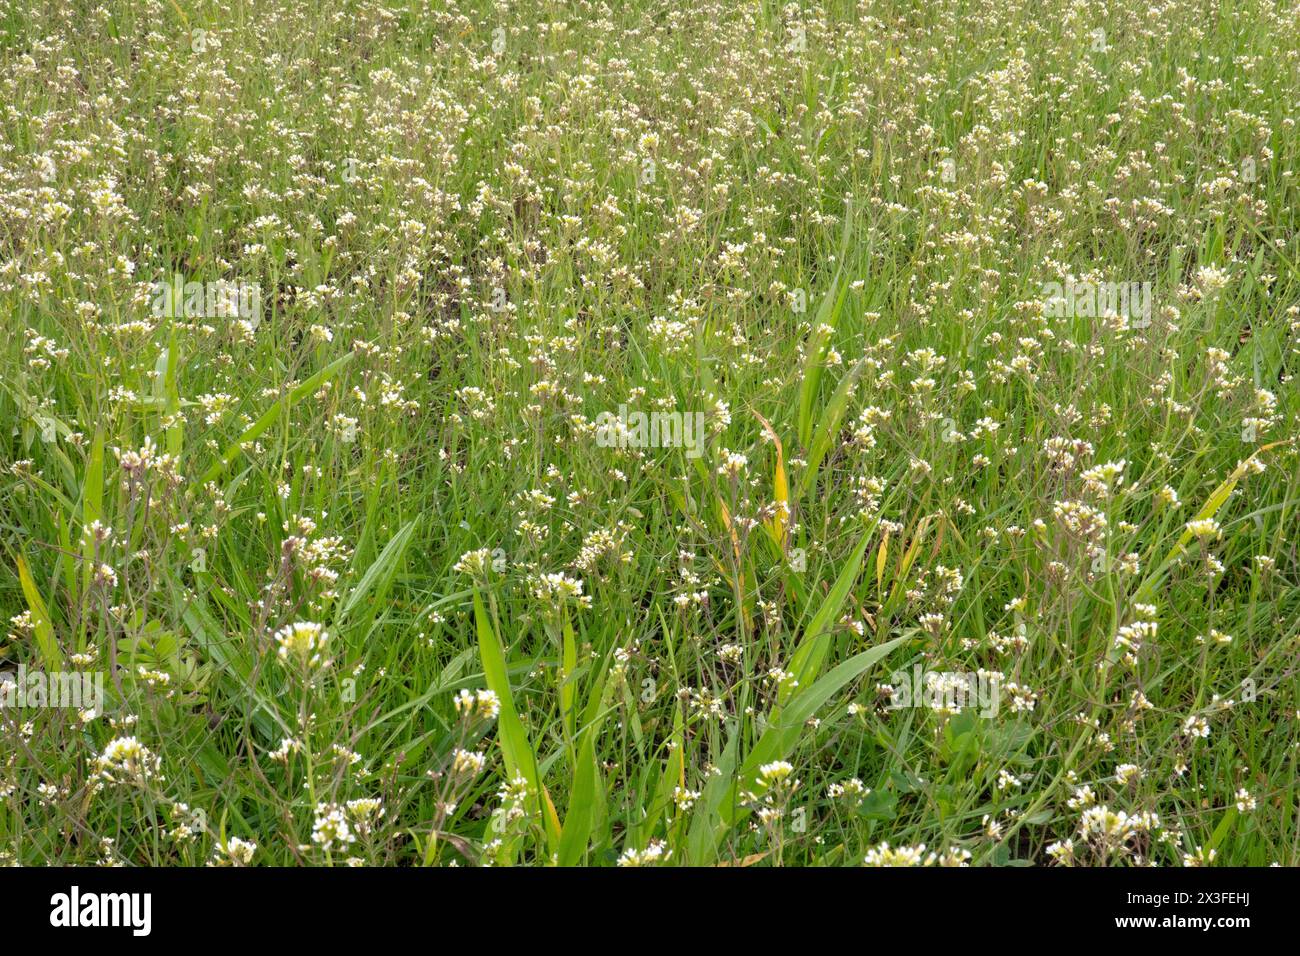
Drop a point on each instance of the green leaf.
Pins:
(782, 734)
(210, 639)
(786, 723)
(828, 426)
(379, 576)
(707, 824)
(828, 315)
(879, 805)
(582, 803)
(171, 396)
(810, 654)
(518, 753)
(51, 656)
(269, 417)
(1223, 829)
(92, 503)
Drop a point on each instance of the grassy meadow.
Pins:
(451, 433)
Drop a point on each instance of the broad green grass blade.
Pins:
(810, 654)
(272, 414)
(378, 579)
(520, 758)
(43, 628)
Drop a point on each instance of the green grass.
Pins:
(477, 227)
